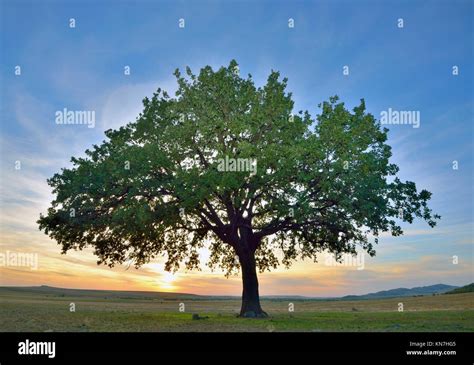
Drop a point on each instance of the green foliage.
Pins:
(153, 187)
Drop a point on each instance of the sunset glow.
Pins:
(83, 69)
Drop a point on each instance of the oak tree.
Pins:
(158, 186)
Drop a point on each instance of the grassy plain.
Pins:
(44, 310)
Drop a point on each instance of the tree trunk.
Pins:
(250, 298)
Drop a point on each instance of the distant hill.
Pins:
(91, 293)
(404, 292)
(49, 291)
(119, 294)
(463, 289)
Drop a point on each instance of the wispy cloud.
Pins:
(82, 68)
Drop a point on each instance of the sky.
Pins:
(400, 55)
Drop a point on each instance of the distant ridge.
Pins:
(153, 295)
(463, 289)
(404, 292)
(94, 293)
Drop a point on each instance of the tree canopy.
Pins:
(154, 187)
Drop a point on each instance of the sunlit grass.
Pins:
(40, 312)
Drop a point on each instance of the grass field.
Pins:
(23, 310)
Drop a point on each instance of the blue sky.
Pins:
(81, 68)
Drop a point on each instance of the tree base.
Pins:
(253, 314)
